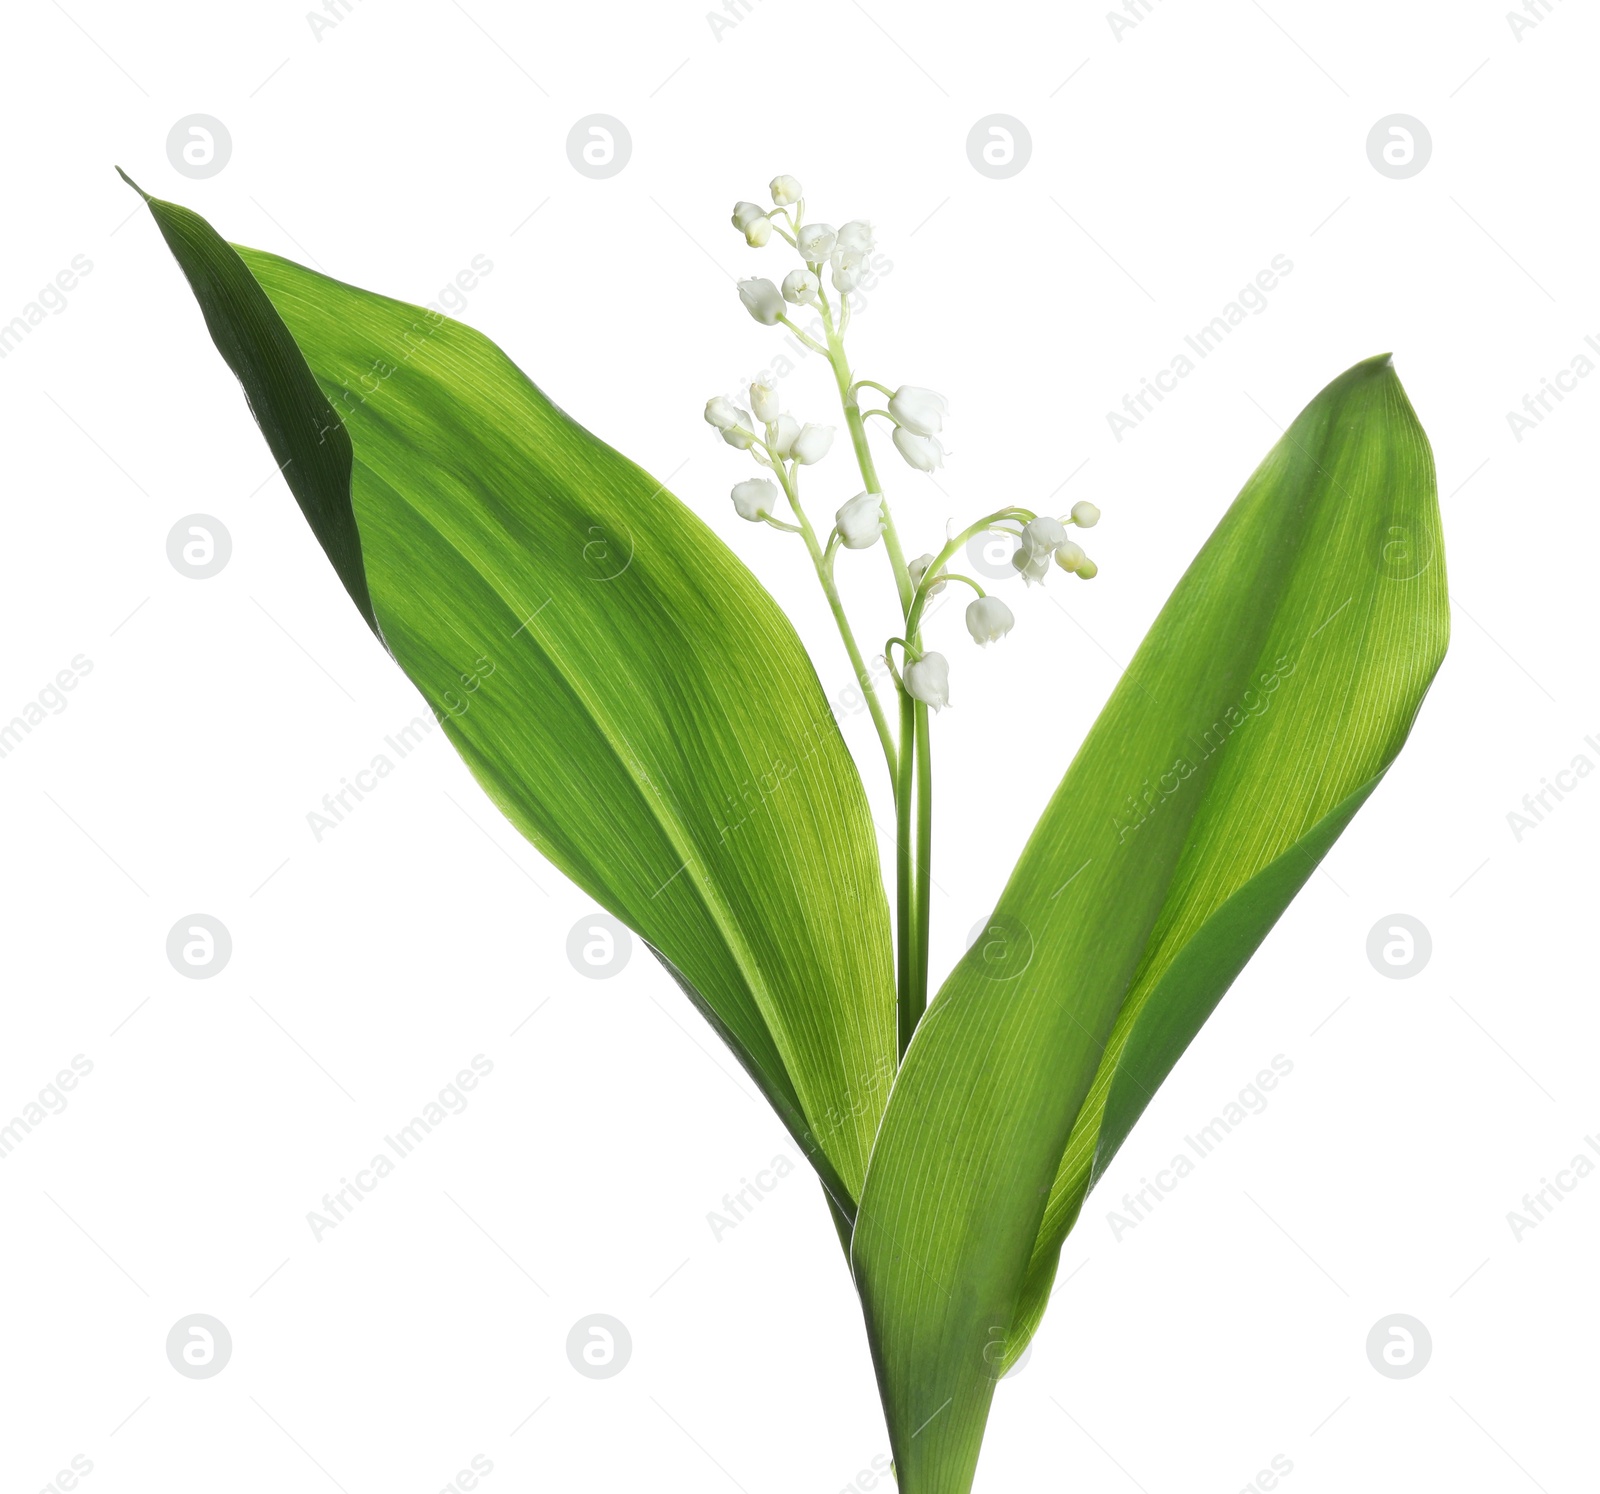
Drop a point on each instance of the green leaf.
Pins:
(1268, 699)
(621, 686)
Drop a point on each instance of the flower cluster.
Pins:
(780, 443)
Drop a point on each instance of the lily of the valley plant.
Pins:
(643, 680)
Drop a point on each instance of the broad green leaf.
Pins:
(1268, 699)
(617, 681)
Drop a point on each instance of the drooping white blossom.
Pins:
(855, 237)
(988, 620)
(919, 410)
(782, 436)
(922, 452)
(928, 680)
(785, 189)
(800, 287)
(1044, 535)
(1031, 567)
(746, 213)
(812, 444)
(755, 498)
(849, 269)
(860, 521)
(815, 241)
(762, 299)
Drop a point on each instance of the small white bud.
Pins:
(928, 680)
(815, 241)
(918, 568)
(860, 521)
(758, 233)
(800, 287)
(764, 402)
(1070, 556)
(812, 444)
(1032, 568)
(1044, 535)
(762, 300)
(1085, 515)
(1088, 571)
(755, 498)
(783, 434)
(922, 452)
(741, 435)
(988, 620)
(722, 412)
(746, 213)
(785, 189)
(919, 410)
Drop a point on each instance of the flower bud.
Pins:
(758, 233)
(922, 452)
(988, 620)
(755, 498)
(785, 189)
(1031, 567)
(722, 412)
(860, 521)
(815, 241)
(1044, 535)
(762, 300)
(1085, 515)
(1088, 571)
(783, 434)
(800, 287)
(919, 410)
(764, 401)
(918, 568)
(812, 444)
(1070, 556)
(746, 213)
(740, 436)
(928, 680)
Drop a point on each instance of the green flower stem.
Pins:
(911, 916)
(924, 875)
(823, 561)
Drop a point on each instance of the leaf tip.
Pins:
(136, 187)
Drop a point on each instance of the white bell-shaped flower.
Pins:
(1044, 535)
(722, 412)
(762, 299)
(746, 213)
(849, 269)
(764, 403)
(988, 620)
(919, 410)
(860, 521)
(815, 241)
(758, 233)
(855, 236)
(1085, 515)
(785, 189)
(918, 568)
(922, 452)
(755, 498)
(800, 287)
(812, 444)
(1031, 567)
(928, 680)
(1070, 556)
(782, 435)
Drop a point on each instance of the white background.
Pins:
(1167, 168)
